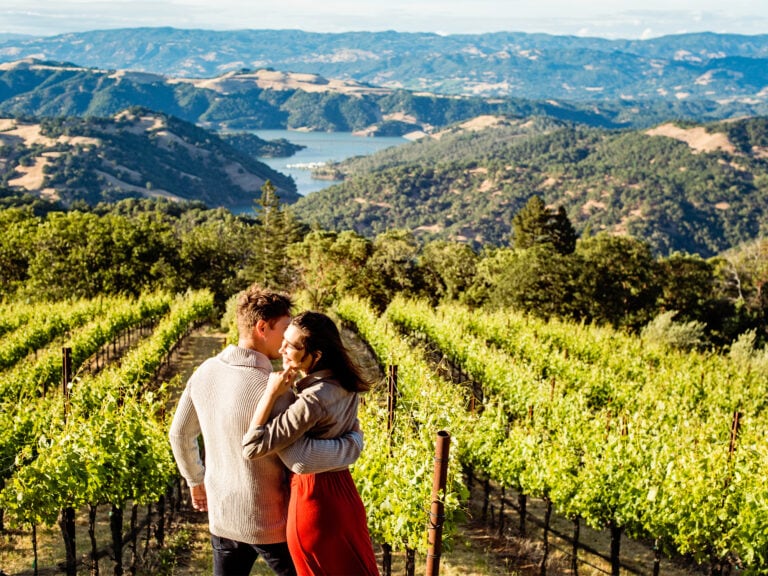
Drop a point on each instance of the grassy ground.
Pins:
(477, 550)
(188, 552)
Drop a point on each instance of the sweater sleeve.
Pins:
(284, 429)
(183, 435)
(315, 455)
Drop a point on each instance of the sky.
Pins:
(598, 18)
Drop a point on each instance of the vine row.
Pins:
(669, 448)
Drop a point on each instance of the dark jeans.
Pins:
(232, 558)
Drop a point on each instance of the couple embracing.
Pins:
(277, 445)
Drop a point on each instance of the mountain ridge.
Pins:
(266, 99)
(503, 64)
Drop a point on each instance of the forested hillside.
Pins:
(267, 99)
(681, 187)
(137, 153)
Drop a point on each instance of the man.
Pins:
(246, 500)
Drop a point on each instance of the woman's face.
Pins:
(293, 352)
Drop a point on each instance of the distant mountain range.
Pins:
(268, 99)
(701, 66)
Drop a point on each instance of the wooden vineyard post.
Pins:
(391, 402)
(391, 407)
(66, 518)
(735, 425)
(436, 513)
(66, 376)
(391, 396)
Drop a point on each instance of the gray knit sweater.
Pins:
(247, 499)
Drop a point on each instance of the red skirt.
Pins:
(327, 531)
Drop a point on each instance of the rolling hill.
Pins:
(266, 99)
(136, 153)
(697, 188)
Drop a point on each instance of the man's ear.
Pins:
(260, 328)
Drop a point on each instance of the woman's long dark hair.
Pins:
(322, 335)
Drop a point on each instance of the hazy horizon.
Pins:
(630, 19)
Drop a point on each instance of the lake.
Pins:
(321, 147)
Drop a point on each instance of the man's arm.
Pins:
(183, 435)
(315, 455)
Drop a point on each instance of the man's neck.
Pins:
(252, 344)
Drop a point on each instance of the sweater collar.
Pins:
(237, 356)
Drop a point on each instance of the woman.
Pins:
(327, 531)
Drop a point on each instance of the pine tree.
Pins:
(562, 232)
(277, 229)
(535, 224)
(529, 225)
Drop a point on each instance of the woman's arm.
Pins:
(278, 384)
(283, 429)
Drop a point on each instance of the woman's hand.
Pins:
(280, 382)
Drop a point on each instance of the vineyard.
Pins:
(609, 431)
(606, 429)
(100, 439)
